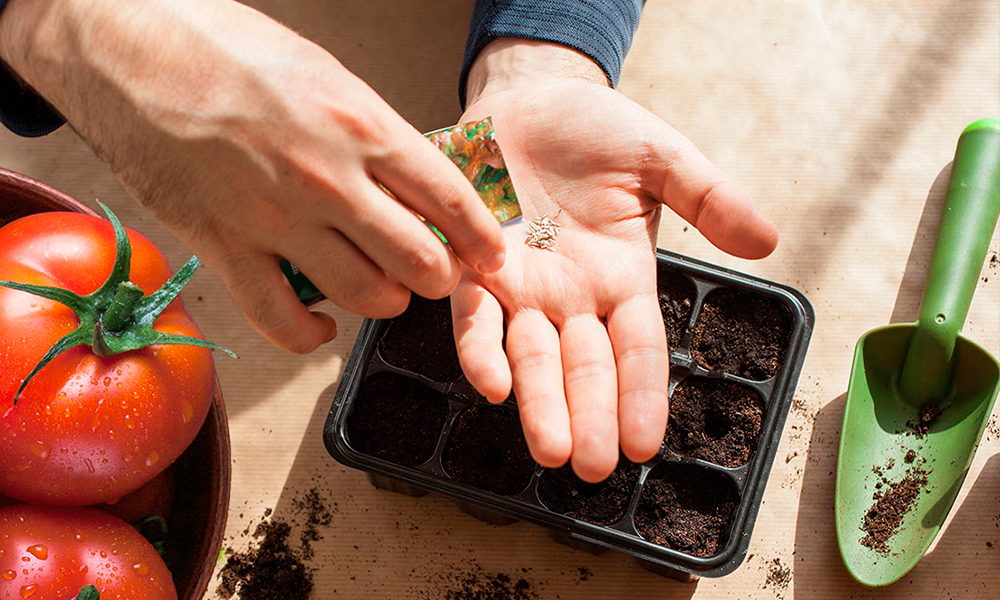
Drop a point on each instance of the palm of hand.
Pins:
(585, 338)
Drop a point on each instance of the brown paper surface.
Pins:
(839, 118)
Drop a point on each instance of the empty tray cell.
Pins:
(421, 340)
(741, 333)
(486, 449)
(677, 295)
(687, 508)
(396, 418)
(714, 420)
(604, 503)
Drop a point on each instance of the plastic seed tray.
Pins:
(405, 414)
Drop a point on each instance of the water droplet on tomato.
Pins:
(187, 412)
(38, 551)
(152, 459)
(90, 465)
(40, 449)
(107, 381)
(127, 457)
(104, 554)
(140, 568)
(10, 575)
(61, 395)
(7, 412)
(28, 590)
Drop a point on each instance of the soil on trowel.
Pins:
(892, 501)
(397, 418)
(486, 449)
(717, 421)
(603, 503)
(687, 508)
(926, 416)
(742, 334)
(421, 340)
(677, 294)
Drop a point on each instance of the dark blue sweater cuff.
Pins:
(601, 29)
(22, 110)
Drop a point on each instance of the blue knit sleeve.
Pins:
(22, 110)
(601, 29)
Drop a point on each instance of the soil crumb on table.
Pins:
(778, 575)
(272, 568)
(476, 584)
(893, 499)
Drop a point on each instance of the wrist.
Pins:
(510, 63)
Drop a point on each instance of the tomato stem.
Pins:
(117, 317)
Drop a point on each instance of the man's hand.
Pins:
(586, 349)
(252, 144)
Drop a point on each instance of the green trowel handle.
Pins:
(970, 215)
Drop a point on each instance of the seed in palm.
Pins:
(542, 232)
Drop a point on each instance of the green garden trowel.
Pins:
(920, 394)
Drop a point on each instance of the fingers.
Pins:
(428, 182)
(643, 365)
(396, 240)
(682, 178)
(536, 363)
(346, 276)
(478, 326)
(263, 294)
(592, 396)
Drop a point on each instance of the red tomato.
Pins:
(89, 429)
(50, 553)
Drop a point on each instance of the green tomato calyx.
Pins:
(88, 592)
(117, 317)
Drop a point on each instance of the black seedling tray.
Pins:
(430, 395)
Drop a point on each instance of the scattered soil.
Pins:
(892, 500)
(486, 449)
(561, 491)
(714, 420)
(477, 584)
(421, 340)
(686, 508)
(397, 418)
(911, 455)
(271, 567)
(742, 334)
(677, 296)
(778, 575)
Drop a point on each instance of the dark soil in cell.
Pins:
(714, 420)
(603, 503)
(397, 419)
(421, 340)
(686, 508)
(486, 449)
(677, 295)
(742, 334)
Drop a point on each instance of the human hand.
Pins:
(586, 349)
(252, 144)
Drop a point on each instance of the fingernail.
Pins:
(493, 263)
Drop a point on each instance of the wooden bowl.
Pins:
(202, 473)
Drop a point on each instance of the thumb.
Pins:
(679, 175)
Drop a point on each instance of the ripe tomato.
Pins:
(89, 429)
(155, 499)
(50, 553)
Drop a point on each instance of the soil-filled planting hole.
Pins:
(421, 340)
(687, 508)
(714, 420)
(397, 419)
(604, 503)
(677, 296)
(486, 449)
(740, 333)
